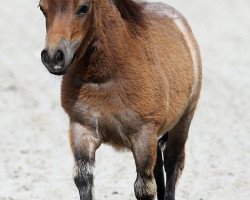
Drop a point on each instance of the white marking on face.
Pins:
(57, 67)
(195, 58)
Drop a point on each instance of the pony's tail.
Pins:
(159, 169)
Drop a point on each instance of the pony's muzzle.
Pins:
(57, 60)
(54, 60)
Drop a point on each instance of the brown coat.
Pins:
(132, 75)
(138, 77)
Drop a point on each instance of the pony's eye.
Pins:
(83, 9)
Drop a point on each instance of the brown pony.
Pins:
(131, 78)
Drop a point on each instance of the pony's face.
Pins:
(67, 23)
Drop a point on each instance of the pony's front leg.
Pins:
(144, 148)
(84, 143)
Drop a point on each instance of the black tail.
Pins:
(159, 171)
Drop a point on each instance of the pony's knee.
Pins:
(145, 188)
(83, 178)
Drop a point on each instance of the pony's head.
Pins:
(66, 22)
(71, 27)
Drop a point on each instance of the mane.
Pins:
(131, 11)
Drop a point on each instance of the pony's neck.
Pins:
(111, 44)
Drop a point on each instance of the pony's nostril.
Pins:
(59, 56)
(45, 56)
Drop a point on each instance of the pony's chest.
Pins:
(112, 123)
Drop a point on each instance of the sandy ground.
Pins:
(35, 158)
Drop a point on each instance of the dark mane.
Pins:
(131, 11)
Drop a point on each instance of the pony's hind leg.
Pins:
(84, 144)
(174, 154)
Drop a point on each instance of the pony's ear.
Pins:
(131, 11)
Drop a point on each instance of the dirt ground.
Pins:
(35, 158)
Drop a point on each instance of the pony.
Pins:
(131, 78)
